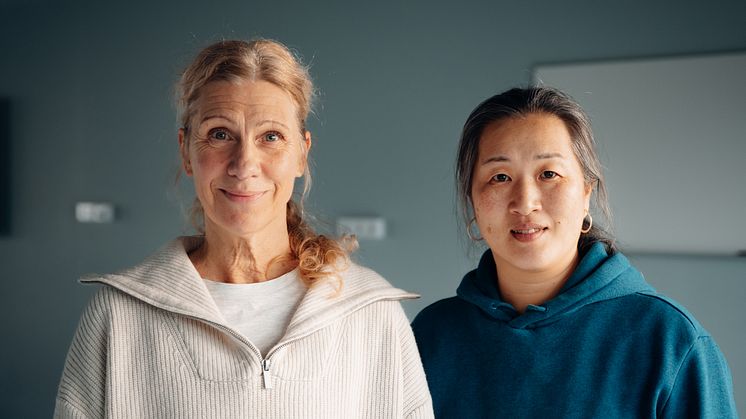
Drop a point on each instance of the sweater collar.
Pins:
(598, 276)
(168, 280)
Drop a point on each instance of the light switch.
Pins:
(364, 228)
(94, 212)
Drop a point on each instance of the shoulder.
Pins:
(362, 293)
(668, 314)
(356, 274)
(671, 331)
(102, 301)
(107, 295)
(440, 314)
(359, 282)
(445, 307)
(109, 304)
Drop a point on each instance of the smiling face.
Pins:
(529, 194)
(244, 150)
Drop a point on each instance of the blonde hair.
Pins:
(319, 257)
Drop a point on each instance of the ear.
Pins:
(306, 147)
(307, 139)
(184, 152)
(587, 195)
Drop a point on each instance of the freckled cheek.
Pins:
(488, 210)
(485, 202)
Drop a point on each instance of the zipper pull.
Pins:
(265, 374)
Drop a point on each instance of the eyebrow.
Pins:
(549, 156)
(262, 122)
(209, 117)
(500, 158)
(273, 122)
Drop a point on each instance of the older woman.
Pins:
(554, 321)
(259, 316)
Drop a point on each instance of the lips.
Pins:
(527, 232)
(242, 196)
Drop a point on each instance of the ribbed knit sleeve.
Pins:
(83, 383)
(417, 401)
(423, 412)
(64, 409)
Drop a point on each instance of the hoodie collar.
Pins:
(168, 280)
(597, 277)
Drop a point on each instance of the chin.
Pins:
(526, 262)
(530, 259)
(239, 225)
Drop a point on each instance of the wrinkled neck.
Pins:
(247, 259)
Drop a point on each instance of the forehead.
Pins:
(535, 133)
(245, 97)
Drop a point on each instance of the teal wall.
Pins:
(92, 119)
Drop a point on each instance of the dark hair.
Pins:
(518, 102)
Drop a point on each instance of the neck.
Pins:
(522, 288)
(243, 259)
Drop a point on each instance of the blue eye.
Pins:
(219, 134)
(548, 174)
(501, 177)
(272, 137)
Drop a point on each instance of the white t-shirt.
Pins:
(260, 311)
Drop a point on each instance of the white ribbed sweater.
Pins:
(151, 344)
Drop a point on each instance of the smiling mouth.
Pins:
(528, 231)
(243, 196)
(527, 234)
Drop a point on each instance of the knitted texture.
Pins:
(151, 343)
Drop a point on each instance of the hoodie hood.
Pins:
(598, 277)
(168, 280)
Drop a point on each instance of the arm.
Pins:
(417, 401)
(81, 392)
(702, 386)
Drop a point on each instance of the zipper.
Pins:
(265, 363)
(266, 378)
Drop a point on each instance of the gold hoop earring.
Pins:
(590, 223)
(469, 231)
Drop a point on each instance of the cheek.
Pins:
(210, 160)
(487, 208)
(206, 167)
(282, 169)
(569, 206)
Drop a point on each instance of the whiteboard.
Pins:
(671, 134)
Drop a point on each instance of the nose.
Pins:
(525, 197)
(245, 161)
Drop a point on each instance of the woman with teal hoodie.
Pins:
(554, 321)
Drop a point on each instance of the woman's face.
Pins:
(529, 193)
(244, 151)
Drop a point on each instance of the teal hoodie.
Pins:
(607, 346)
